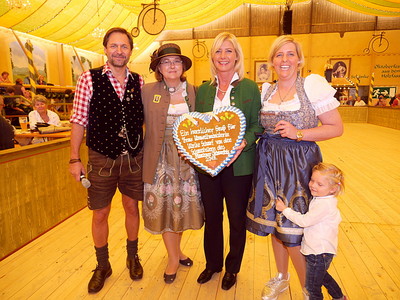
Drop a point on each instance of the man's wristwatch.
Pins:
(299, 135)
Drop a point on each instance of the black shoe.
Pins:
(169, 278)
(228, 281)
(186, 262)
(206, 275)
(96, 283)
(135, 268)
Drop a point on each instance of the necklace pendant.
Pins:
(172, 89)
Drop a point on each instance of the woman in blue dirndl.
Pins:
(286, 153)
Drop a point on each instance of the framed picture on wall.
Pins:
(261, 72)
(340, 67)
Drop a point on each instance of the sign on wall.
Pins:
(386, 91)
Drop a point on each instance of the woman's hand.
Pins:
(279, 205)
(239, 150)
(286, 129)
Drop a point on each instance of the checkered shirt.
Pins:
(84, 92)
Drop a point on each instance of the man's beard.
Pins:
(118, 63)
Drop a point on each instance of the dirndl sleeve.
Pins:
(320, 93)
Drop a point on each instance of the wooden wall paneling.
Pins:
(308, 17)
(235, 22)
(39, 192)
(302, 15)
(353, 114)
(384, 116)
(265, 20)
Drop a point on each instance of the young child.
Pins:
(321, 224)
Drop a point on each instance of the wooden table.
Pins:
(56, 135)
(25, 137)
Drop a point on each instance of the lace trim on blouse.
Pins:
(318, 90)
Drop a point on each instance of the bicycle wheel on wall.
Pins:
(135, 31)
(199, 50)
(154, 21)
(380, 45)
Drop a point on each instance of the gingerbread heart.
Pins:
(210, 144)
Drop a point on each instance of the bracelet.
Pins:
(299, 135)
(74, 160)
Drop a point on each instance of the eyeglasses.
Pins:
(171, 62)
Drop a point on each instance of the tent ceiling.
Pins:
(73, 21)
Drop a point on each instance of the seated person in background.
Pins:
(42, 115)
(10, 91)
(6, 134)
(396, 101)
(381, 101)
(11, 107)
(19, 89)
(6, 131)
(41, 81)
(4, 77)
(28, 98)
(359, 102)
(350, 101)
(15, 104)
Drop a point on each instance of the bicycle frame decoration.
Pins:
(378, 43)
(261, 72)
(152, 19)
(340, 67)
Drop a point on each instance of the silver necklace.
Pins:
(172, 89)
(279, 93)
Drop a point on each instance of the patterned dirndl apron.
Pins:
(283, 170)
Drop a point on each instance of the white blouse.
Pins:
(318, 90)
(321, 225)
(226, 101)
(34, 117)
(178, 109)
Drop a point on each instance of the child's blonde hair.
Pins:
(334, 174)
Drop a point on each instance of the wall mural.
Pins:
(19, 61)
(77, 68)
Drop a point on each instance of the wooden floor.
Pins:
(58, 265)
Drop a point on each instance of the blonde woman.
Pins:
(286, 153)
(232, 185)
(41, 114)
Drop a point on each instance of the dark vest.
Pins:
(108, 115)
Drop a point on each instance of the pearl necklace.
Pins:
(279, 93)
(223, 92)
